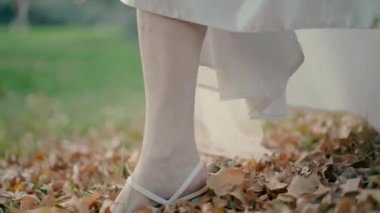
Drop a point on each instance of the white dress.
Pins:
(250, 53)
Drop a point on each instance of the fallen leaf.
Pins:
(18, 187)
(207, 207)
(274, 185)
(301, 185)
(366, 193)
(351, 185)
(89, 201)
(288, 199)
(345, 205)
(374, 179)
(327, 145)
(47, 210)
(29, 202)
(238, 194)
(48, 201)
(256, 187)
(272, 180)
(225, 180)
(219, 202)
(145, 209)
(310, 208)
(322, 190)
(106, 206)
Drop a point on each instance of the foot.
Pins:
(162, 177)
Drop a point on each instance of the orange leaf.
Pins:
(18, 187)
(344, 205)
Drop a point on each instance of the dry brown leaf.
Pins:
(351, 185)
(29, 202)
(47, 210)
(322, 190)
(275, 206)
(205, 198)
(74, 204)
(40, 156)
(207, 207)
(366, 206)
(346, 159)
(327, 200)
(274, 181)
(5, 197)
(145, 209)
(374, 179)
(255, 165)
(286, 198)
(48, 201)
(256, 187)
(219, 202)
(302, 185)
(310, 208)
(327, 145)
(345, 205)
(67, 173)
(89, 201)
(219, 210)
(366, 193)
(88, 169)
(225, 180)
(238, 194)
(106, 206)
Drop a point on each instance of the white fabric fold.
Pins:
(254, 66)
(266, 15)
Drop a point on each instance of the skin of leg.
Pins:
(170, 51)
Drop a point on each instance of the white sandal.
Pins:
(176, 196)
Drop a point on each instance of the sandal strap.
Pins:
(195, 194)
(187, 182)
(147, 193)
(177, 194)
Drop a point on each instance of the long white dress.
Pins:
(249, 54)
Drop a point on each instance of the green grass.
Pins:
(58, 80)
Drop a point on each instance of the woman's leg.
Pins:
(170, 51)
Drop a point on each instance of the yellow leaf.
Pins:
(18, 187)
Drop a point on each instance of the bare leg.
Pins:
(170, 51)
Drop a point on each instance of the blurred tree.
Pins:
(66, 12)
(21, 19)
(7, 11)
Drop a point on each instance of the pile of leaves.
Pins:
(322, 162)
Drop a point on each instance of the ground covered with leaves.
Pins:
(321, 162)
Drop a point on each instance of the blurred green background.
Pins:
(67, 67)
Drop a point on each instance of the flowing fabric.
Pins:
(340, 73)
(266, 15)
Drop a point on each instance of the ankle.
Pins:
(163, 147)
(164, 165)
(167, 158)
